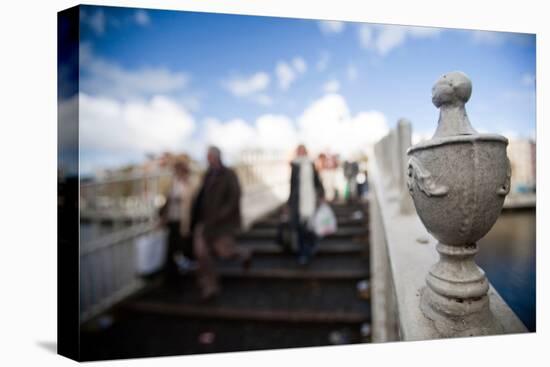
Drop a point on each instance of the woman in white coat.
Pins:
(306, 190)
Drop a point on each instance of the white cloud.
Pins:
(323, 61)
(423, 32)
(142, 18)
(288, 72)
(190, 102)
(487, 37)
(492, 38)
(132, 128)
(331, 86)
(328, 124)
(421, 136)
(251, 87)
(366, 37)
(231, 136)
(299, 65)
(127, 113)
(331, 26)
(247, 86)
(352, 73)
(96, 21)
(108, 79)
(276, 132)
(384, 38)
(116, 128)
(389, 38)
(325, 124)
(263, 99)
(528, 79)
(285, 74)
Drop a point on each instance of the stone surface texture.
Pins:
(404, 134)
(408, 262)
(458, 181)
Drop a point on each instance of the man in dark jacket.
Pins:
(216, 220)
(306, 191)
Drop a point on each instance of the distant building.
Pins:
(522, 154)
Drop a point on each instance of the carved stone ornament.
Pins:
(458, 181)
(423, 179)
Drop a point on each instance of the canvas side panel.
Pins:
(68, 184)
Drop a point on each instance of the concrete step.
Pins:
(271, 233)
(283, 273)
(337, 209)
(342, 222)
(140, 335)
(326, 247)
(276, 303)
(288, 268)
(327, 264)
(343, 265)
(306, 301)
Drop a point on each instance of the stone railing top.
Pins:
(411, 253)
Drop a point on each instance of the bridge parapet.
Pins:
(403, 262)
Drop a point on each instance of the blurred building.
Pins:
(135, 189)
(522, 154)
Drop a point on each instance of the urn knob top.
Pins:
(450, 94)
(452, 88)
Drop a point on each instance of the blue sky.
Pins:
(155, 80)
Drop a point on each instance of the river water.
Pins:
(508, 256)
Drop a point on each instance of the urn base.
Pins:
(459, 317)
(455, 297)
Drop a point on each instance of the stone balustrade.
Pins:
(107, 270)
(415, 294)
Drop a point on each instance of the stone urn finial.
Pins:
(450, 93)
(458, 181)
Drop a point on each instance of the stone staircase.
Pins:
(275, 304)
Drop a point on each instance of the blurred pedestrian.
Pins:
(326, 167)
(306, 191)
(351, 169)
(216, 220)
(176, 216)
(362, 184)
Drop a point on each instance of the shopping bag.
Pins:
(323, 222)
(150, 250)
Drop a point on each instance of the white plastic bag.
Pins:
(150, 252)
(323, 222)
